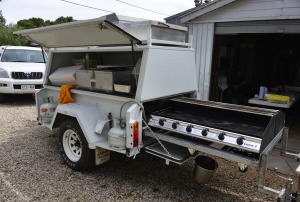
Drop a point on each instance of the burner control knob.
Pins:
(189, 128)
(240, 140)
(204, 132)
(221, 136)
(175, 124)
(161, 122)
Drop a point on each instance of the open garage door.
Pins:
(271, 26)
(244, 61)
(248, 55)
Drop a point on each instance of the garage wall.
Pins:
(243, 10)
(202, 37)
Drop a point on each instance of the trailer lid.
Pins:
(95, 32)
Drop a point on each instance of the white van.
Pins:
(22, 70)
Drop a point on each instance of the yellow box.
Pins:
(275, 97)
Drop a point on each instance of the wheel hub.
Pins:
(72, 145)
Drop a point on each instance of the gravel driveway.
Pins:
(31, 169)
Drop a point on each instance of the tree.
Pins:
(7, 37)
(26, 24)
(62, 19)
(2, 19)
(6, 32)
(38, 22)
(31, 23)
(48, 23)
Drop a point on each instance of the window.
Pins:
(21, 55)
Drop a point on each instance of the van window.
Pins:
(21, 55)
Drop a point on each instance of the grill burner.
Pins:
(246, 128)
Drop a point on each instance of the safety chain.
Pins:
(161, 144)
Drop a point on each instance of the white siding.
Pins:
(243, 10)
(202, 40)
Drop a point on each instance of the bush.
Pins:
(7, 37)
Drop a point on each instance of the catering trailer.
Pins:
(117, 84)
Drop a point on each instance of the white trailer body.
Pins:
(159, 71)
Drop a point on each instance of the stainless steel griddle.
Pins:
(242, 127)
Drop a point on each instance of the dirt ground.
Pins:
(31, 169)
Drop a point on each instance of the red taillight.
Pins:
(135, 134)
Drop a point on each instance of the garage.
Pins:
(252, 54)
(241, 46)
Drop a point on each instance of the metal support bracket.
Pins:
(285, 195)
(282, 195)
(262, 178)
(284, 151)
(298, 188)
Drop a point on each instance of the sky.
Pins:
(15, 10)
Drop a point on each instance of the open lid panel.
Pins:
(95, 32)
(106, 31)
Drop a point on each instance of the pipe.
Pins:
(288, 190)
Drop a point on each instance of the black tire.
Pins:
(74, 147)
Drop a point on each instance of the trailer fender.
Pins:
(86, 116)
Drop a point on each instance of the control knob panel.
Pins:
(206, 133)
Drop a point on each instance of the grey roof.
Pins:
(186, 12)
(181, 13)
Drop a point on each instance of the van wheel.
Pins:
(74, 147)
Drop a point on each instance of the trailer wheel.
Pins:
(74, 147)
